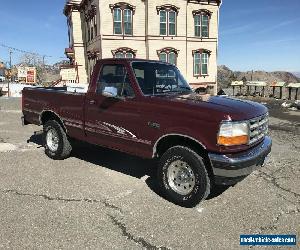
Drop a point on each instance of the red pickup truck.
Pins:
(146, 108)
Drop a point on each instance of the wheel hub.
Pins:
(181, 177)
(52, 140)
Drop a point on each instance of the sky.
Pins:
(33, 25)
(253, 35)
(260, 35)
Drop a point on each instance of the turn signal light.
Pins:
(233, 133)
(231, 141)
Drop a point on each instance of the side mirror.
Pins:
(110, 92)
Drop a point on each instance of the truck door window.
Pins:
(159, 78)
(115, 76)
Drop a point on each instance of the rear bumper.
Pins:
(231, 168)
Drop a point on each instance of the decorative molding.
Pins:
(92, 54)
(201, 51)
(122, 6)
(69, 7)
(167, 7)
(201, 12)
(218, 2)
(168, 50)
(69, 52)
(91, 13)
(124, 50)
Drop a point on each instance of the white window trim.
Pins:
(200, 64)
(201, 25)
(167, 23)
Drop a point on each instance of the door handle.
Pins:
(92, 102)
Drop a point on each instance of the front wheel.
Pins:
(56, 143)
(183, 177)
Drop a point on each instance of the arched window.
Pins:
(168, 55)
(201, 22)
(124, 53)
(201, 61)
(168, 19)
(122, 18)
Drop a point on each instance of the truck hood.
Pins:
(227, 107)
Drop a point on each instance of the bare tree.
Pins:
(33, 60)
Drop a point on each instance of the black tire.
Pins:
(64, 147)
(200, 188)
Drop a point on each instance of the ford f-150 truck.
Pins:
(146, 108)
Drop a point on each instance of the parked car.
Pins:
(2, 78)
(146, 108)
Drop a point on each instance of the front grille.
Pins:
(258, 128)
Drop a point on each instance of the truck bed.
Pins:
(67, 105)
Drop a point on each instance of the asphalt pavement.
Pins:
(103, 199)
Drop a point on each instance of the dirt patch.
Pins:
(276, 110)
(7, 147)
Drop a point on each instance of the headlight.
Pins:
(233, 133)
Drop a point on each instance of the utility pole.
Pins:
(10, 72)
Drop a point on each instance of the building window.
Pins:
(201, 60)
(201, 23)
(168, 55)
(163, 23)
(123, 18)
(124, 53)
(127, 22)
(117, 21)
(168, 19)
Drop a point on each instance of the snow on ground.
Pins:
(15, 88)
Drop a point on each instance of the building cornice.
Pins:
(217, 2)
(202, 51)
(167, 7)
(202, 11)
(124, 50)
(168, 50)
(122, 6)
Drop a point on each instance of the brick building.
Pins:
(182, 32)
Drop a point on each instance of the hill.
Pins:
(226, 76)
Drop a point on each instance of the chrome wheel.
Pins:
(52, 140)
(181, 177)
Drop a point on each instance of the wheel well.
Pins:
(176, 140)
(49, 115)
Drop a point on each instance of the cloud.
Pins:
(250, 10)
(238, 29)
(279, 25)
(276, 41)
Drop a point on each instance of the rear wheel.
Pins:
(56, 142)
(183, 177)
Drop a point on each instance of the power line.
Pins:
(27, 52)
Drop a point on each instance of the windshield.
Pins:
(159, 78)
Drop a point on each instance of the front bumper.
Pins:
(231, 168)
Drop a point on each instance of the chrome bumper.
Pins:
(241, 164)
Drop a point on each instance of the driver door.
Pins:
(112, 112)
